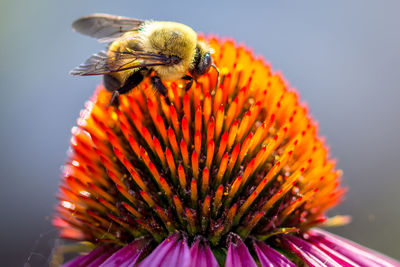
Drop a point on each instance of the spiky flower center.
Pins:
(241, 158)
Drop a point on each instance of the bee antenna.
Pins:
(215, 67)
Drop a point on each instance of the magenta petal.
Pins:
(201, 254)
(269, 257)
(99, 260)
(332, 252)
(238, 254)
(173, 251)
(75, 262)
(128, 255)
(96, 256)
(311, 254)
(351, 250)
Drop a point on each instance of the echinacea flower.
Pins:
(233, 174)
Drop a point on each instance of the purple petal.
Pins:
(128, 255)
(96, 256)
(269, 257)
(99, 260)
(238, 254)
(337, 256)
(75, 262)
(311, 254)
(201, 254)
(173, 251)
(351, 250)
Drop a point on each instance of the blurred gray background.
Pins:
(343, 57)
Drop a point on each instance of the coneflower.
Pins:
(231, 174)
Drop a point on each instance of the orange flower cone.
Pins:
(231, 173)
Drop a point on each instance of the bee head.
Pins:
(202, 60)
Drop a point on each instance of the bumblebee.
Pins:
(163, 51)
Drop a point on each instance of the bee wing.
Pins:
(103, 63)
(105, 27)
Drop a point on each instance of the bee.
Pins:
(163, 51)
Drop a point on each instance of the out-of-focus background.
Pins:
(342, 56)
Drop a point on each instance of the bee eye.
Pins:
(203, 65)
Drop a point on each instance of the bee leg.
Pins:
(134, 80)
(114, 101)
(114, 85)
(190, 81)
(160, 87)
